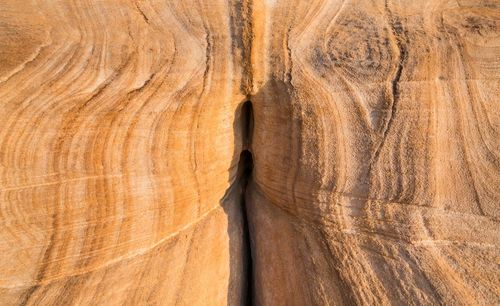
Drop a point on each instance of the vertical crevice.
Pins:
(247, 124)
(245, 168)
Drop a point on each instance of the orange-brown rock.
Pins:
(364, 168)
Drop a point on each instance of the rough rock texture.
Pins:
(133, 172)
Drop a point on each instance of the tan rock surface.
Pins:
(125, 176)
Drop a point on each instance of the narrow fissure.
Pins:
(245, 167)
(247, 124)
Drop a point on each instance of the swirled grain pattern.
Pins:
(375, 150)
(117, 140)
(387, 170)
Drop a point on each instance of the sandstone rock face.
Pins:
(260, 152)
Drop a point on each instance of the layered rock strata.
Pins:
(279, 152)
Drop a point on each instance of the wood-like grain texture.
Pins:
(384, 186)
(376, 152)
(116, 138)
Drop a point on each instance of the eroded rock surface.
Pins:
(249, 152)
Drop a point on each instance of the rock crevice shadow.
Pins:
(240, 291)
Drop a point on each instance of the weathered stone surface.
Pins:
(132, 172)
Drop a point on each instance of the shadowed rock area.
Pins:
(253, 152)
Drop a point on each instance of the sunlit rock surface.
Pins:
(259, 152)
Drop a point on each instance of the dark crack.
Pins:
(146, 19)
(245, 168)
